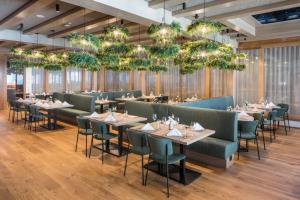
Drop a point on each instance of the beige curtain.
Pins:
(246, 82)
(56, 81)
(74, 78)
(282, 76)
(88, 80)
(221, 83)
(193, 84)
(169, 82)
(35, 80)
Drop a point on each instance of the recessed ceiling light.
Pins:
(68, 24)
(40, 16)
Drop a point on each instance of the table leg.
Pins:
(182, 166)
(120, 140)
(49, 119)
(54, 119)
(101, 108)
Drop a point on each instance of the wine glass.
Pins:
(177, 120)
(164, 119)
(192, 125)
(154, 116)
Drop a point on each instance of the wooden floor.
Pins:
(43, 165)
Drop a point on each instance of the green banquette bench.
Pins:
(218, 149)
(217, 103)
(83, 105)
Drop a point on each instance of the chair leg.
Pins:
(147, 169)
(9, 114)
(239, 143)
(13, 117)
(86, 146)
(102, 151)
(271, 133)
(263, 135)
(168, 194)
(287, 116)
(285, 127)
(142, 169)
(76, 142)
(17, 117)
(91, 146)
(126, 163)
(257, 148)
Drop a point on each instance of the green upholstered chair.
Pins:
(100, 132)
(161, 151)
(280, 117)
(83, 129)
(137, 144)
(27, 114)
(11, 107)
(260, 118)
(247, 131)
(286, 116)
(35, 116)
(17, 107)
(268, 124)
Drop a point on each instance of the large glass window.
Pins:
(56, 81)
(282, 76)
(74, 77)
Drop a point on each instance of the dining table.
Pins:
(103, 102)
(124, 99)
(189, 136)
(148, 98)
(263, 106)
(121, 120)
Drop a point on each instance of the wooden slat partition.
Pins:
(3, 81)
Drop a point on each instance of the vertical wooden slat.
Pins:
(24, 83)
(94, 80)
(46, 80)
(207, 82)
(102, 79)
(260, 74)
(130, 81)
(3, 82)
(83, 78)
(66, 80)
(157, 83)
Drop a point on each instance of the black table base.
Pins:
(113, 149)
(52, 126)
(174, 172)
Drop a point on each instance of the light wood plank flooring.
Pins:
(44, 165)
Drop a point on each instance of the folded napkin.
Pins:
(58, 102)
(271, 104)
(94, 115)
(174, 132)
(65, 103)
(148, 127)
(197, 127)
(170, 120)
(46, 105)
(110, 118)
(39, 103)
(20, 99)
(237, 107)
(243, 114)
(123, 96)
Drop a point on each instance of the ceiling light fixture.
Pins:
(57, 8)
(40, 16)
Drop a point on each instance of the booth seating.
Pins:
(83, 105)
(218, 149)
(217, 103)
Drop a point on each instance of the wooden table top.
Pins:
(191, 136)
(121, 119)
(100, 101)
(148, 97)
(263, 107)
(127, 99)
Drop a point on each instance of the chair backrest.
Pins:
(17, 104)
(98, 127)
(259, 117)
(271, 115)
(34, 110)
(83, 123)
(137, 139)
(11, 103)
(285, 106)
(248, 126)
(160, 146)
(280, 112)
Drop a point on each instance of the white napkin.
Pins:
(123, 96)
(197, 127)
(58, 102)
(237, 107)
(39, 103)
(148, 127)
(94, 115)
(46, 105)
(110, 118)
(65, 103)
(20, 99)
(174, 132)
(170, 120)
(243, 114)
(271, 104)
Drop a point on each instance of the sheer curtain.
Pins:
(74, 78)
(221, 83)
(88, 80)
(169, 82)
(193, 84)
(282, 76)
(35, 80)
(246, 82)
(56, 81)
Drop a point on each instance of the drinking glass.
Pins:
(154, 117)
(164, 119)
(177, 120)
(192, 125)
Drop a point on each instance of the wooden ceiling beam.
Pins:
(168, 3)
(197, 9)
(127, 25)
(58, 20)
(88, 26)
(258, 9)
(27, 9)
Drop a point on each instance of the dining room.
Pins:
(149, 99)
